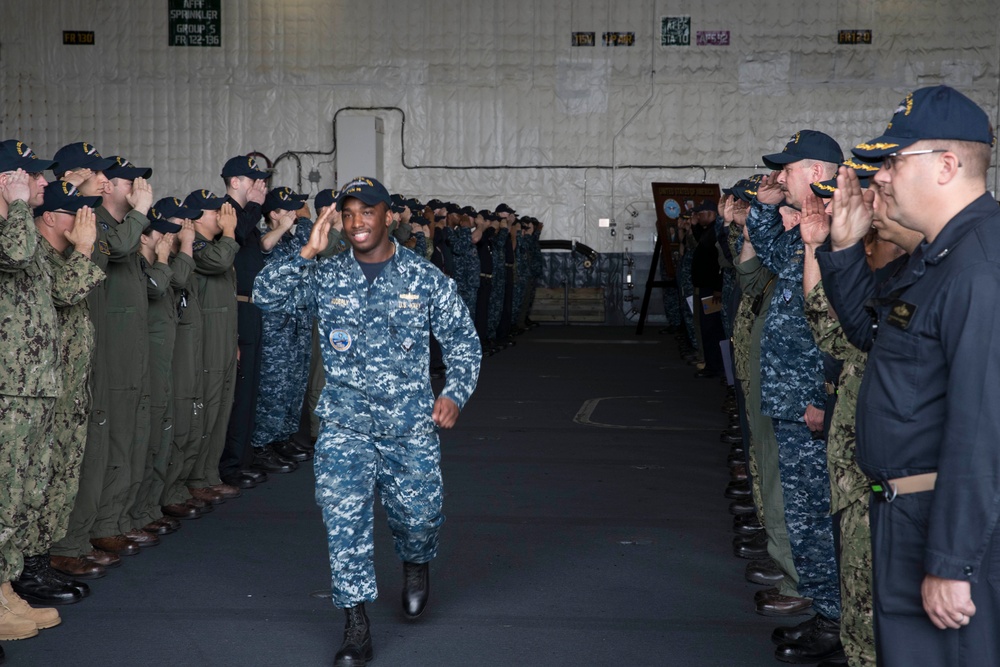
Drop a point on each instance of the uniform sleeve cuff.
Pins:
(950, 567)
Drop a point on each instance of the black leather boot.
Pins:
(357, 648)
(416, 587)
(38, 584)
(80, 587)
(819, 643)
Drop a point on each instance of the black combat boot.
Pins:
(80, 587)
(819, 643)
(38, 584)
(357, 648)
(416, 588)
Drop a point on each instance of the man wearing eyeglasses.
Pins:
(928, 429)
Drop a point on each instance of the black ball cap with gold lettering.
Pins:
(367, 190)
(63, 196)
(80, 155)
(243, 165)
(122, 168)
(937, 112)
(16, 154)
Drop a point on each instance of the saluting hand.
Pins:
(445, 412)
(769, 190)
(77, 177)
(728, 209)
(814, 223)
(163, 248)
(319, 237)
(227, 220)
(257, 191)
(853, 210)
(141, 196)
(83, 235)
(16, 186)
(186, 235)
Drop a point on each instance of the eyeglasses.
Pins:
(889, 161)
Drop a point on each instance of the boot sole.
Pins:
(14, 638)
(46, 626)
(46, 603)
(369, 657)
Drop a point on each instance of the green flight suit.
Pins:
(216, 284)
(128, 380)
(188, 389)
(162, 340)
(755, 280)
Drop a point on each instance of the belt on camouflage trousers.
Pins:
(831, 388)
(244, 299)
(889, 489)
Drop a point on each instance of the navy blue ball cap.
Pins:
(414, 205)
(283, 199)
(729, 191)
(863, 168)
(806, 145)
(746, 190)
(707, 205)
(419, 220)
(503, 208)
(170, 207)
(398, 202)
(740, 184)
(368, 190)
(63, 196)
(325, 198)
(80, 155)
(204, 200)
(243, 165)
(937, 112)
(16, 154)
(435, 204)
(122, 168)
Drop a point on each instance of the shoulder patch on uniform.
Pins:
(198, 245)
(105, 226)
(103, 248)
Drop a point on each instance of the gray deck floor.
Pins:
(604, 542)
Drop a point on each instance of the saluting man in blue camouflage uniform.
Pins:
(287, 338)
(377, 306)
(792, 389)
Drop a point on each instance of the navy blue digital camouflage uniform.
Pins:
(484, 296)
(285, 351)
(466, 267)
(499, 281)
(377, 403)
(792, 378)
